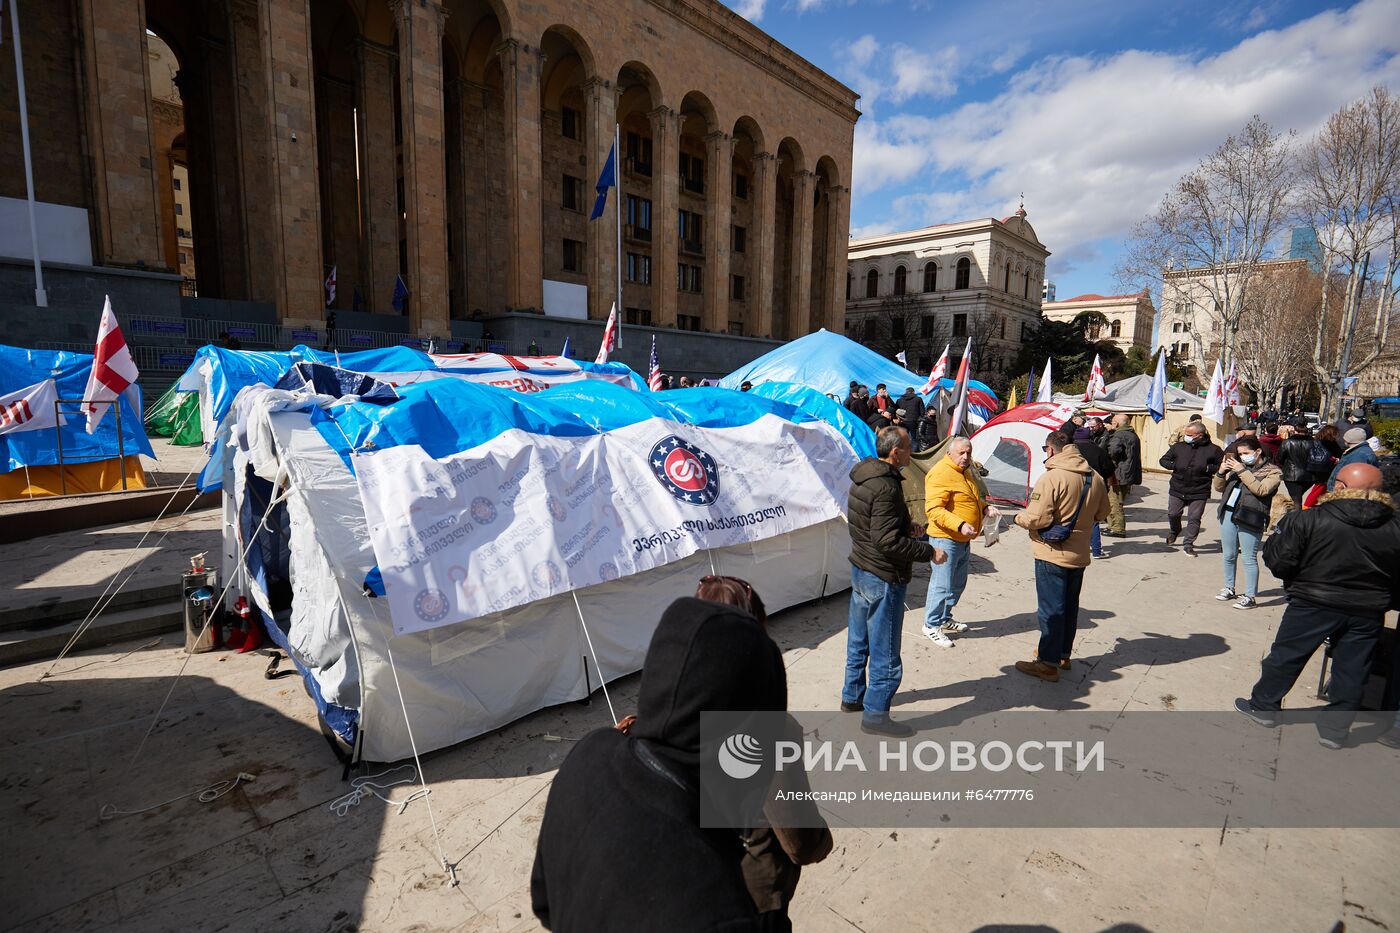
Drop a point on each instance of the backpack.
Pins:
(1319, 460)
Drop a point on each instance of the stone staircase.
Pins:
(39, 632)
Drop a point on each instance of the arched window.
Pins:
(872, 283)
(1008, 277)
(1027, 292)
(1116, 330)
(900, 276)
(930, 276)
(964, 275)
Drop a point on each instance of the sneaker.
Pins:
(1225, 595)
(852, 707)
(938, 638)
(1099, 556)
(1039, 668)
(1114, 534)
(1331, 743)
(1246, 602)
(1189, 550)
(956, 628)
(1171, 538)
(886, 726)
(1262, 717)
(1391, 739)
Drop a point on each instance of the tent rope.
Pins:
(602, 680)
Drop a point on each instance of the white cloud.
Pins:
(751, 10)
(1096, 142)
(861, 51)
(1007, 60)
(919, 73)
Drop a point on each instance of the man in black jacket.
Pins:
(884, 547)
(1192, 462)
(1338, 564)
(908, 413)
(1125, 450)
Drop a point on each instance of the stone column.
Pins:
(291, 119)
(424, 168)
(340, 207)
(455, 94)
(665, 219)
(126, 204)
(838, 225)
(800, 285)
(719, 166)
(601, 98)
(761, 243)
(520, 70)
(251, 126)
(379, 199)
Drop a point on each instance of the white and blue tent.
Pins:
(459, 551)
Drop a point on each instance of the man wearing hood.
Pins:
(621, 846)
(1338, 564)
(884, 546)
(1069, 497)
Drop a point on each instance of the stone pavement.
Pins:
(271, 855)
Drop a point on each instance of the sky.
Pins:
(1092, 108)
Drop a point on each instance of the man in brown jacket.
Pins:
(1070, 493)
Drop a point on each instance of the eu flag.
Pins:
(608, 179)
(400, 294)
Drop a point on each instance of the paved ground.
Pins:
(271, 855)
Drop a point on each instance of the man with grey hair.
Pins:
(1192, 461)
(884, 545)
(955, 508)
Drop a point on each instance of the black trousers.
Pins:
(1302, 631)
(1193, 509)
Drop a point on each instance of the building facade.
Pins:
(1129, 317)
(1191, 326)
(920, 290)
(455, 145)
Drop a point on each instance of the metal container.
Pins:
(198, 596)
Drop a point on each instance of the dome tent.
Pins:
(1009, 448)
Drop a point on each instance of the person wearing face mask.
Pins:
(1192, 462)
(1247, 483)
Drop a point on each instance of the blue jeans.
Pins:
(1235, 540)
(873, 636)
(946, 581)
(1096, 541)
(1057, 596)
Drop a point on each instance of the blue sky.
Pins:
(1092, 108)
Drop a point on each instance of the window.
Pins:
(738, 239)
(1186, 327)
(736, 287)
(637, 316)
(959, 329)
(1176, 328)
(870, 328)
(1116, 329)
(930, 276)
(639, 268)
(926, 325)
(639, 154)
(573, 193)
(183, 258)
(179, 209)
(688, 278)
(897, 328)
(639, 218)
(736, 328)
(1003, 329)
(177, 184)
(925, 363)
(1026, 291)
(573, 256)
(1025, 330)
(900, 276)
(964, 273)
(741, 186)
(692, 173)
(688, 321)
(570, 124)
(690, 233)
(872, 283)
(1008, 277)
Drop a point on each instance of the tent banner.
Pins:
(527, 516)
(32, 408)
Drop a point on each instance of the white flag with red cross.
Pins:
(113, 369)
(612, 338)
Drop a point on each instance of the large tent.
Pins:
(90, 462)
(454, 555)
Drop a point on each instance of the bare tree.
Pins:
(1275, 339)
(1221, 220)
(1350, 183)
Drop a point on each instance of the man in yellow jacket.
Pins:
(955, 510)
(1072, 495)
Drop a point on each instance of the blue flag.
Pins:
(400, 294)
(565, 352)
(1030, 385)
(1156, 395)
(605, 181)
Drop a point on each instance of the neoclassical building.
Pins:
(454, 144)
(921, 289)
(1129, 317)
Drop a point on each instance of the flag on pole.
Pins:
(1011, 399)
(607, 179)
(1214, 407)
(901, 357)
(113, 369)
(940, 369)
(1156, 395)
(330, 288)
(1232, 386)
(610, 341)
(565, 352)
(1047, 384)
(400, 299)
(1030, 385)
(32, 408)
(654, 369)
(1095, 388)
(959, 415)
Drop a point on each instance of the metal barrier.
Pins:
(58, 433)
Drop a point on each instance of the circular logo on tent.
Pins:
(546, 574)
(740, 756)
(688, 473)
(431, 605)
(607, 570)
(556, 508)
(483, 510)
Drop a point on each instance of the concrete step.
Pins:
(18, 647)
(56, 611)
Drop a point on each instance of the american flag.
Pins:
(654, 369)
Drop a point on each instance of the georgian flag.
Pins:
(330, 288)
(960, 392)
(1214, 407)
(940, 369)
(32, 408)
(1095, 388)
(611, 338)
(113, 369)
(1232, 386)
(654, 370)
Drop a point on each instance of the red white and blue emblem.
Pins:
(688, 473)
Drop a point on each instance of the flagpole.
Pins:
(41, 296)
(617, 169)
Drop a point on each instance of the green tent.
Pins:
(176, 416)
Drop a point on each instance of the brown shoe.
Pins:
(1039, 669)
(1064, 664)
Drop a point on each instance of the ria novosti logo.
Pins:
(740, 756)
(688, 473)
